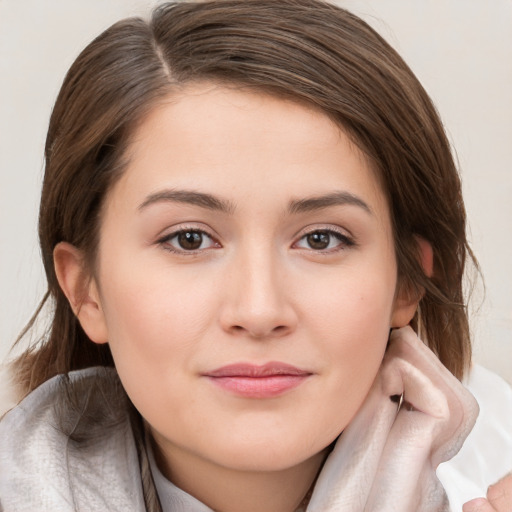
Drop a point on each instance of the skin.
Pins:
(255, 291)
(499, 498)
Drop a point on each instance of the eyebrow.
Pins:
(211, 202)
(325, 201)
(189, 197)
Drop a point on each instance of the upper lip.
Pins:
(257, 371)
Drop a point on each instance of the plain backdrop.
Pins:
(461, 50)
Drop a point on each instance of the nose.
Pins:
(257, 302)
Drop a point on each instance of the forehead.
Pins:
(216, 112)
(231, 140)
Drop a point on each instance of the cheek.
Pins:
(350, 329)
(155, 308)
(155, 320)
(349, 303)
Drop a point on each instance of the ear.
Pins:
(406, 303)
(426, 254)
(81, 290)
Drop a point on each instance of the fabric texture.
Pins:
(486, 455)
(386, 459)
(69, 446)
(172, 498)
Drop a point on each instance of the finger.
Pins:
(500, 494)
(478, 505)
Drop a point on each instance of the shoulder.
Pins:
(487, 452)
(70, 441)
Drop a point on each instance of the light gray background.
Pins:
(460, 49)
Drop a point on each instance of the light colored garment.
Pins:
(172, 498)
(486, 455)
(69, 445)
(386, 460)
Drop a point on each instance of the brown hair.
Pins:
(308, 50)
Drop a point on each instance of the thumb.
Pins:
(478, 505)
(500, 494)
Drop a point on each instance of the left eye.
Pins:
(322, 240)
(189, 240)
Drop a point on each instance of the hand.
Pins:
(499, 498)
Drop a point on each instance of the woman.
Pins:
(241, 200)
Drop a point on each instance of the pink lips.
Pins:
(252, 381)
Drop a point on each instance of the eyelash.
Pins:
(344, 241)
(165, 241)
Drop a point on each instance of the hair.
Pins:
(307, 50)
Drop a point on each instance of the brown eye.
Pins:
(190, 240)
(324, 240)
(318, 240)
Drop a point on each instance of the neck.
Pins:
(227, 490)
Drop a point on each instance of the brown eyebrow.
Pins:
(189, 197)
(211, 202)
(325, 201)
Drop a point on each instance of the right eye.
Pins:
(188, 240)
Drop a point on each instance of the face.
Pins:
(245, 278)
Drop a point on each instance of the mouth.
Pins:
(253, 381)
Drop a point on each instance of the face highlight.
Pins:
(246, 279)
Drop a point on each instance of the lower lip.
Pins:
(259, 387)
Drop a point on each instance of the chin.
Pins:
(268, 455)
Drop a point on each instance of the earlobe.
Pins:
(406, 302)
(81, 290)
(403, 311)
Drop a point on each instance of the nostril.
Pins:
(279, 330)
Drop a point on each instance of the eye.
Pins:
(324, 240)
(188, 240)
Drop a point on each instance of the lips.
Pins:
(253, 381)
